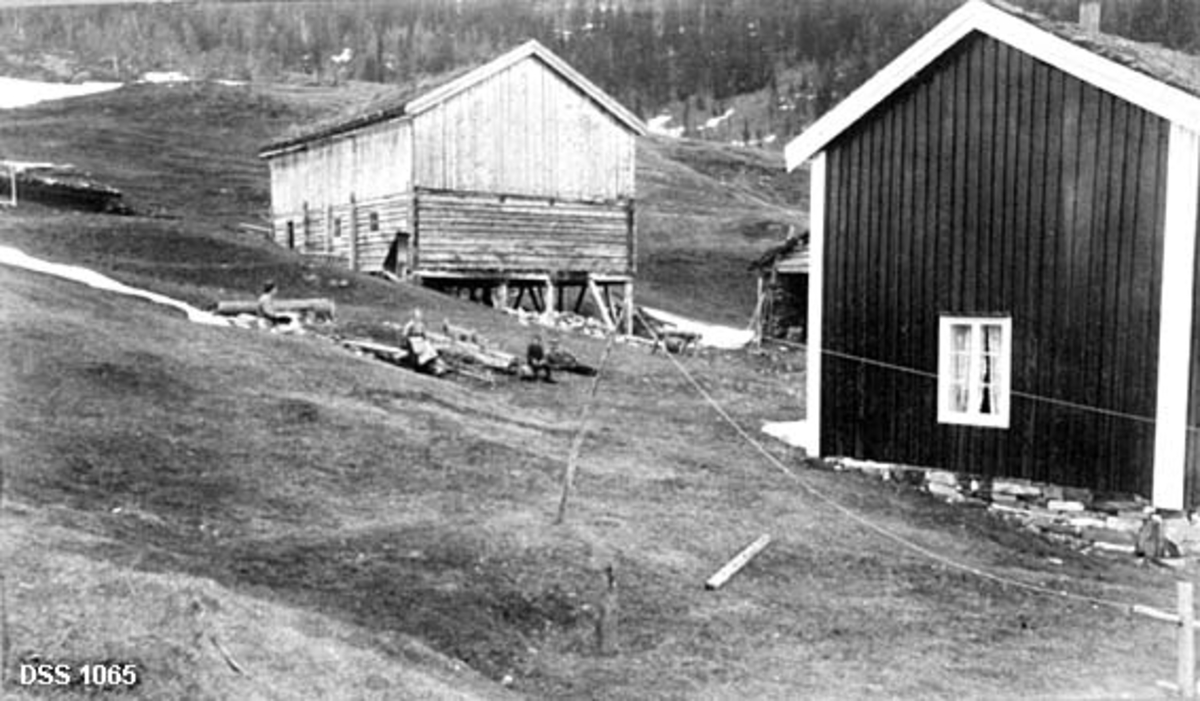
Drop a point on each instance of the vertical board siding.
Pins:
(372, 246)
(524, 131)
(370, 162)
(994, 183)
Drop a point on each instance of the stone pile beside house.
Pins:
(1085, 520)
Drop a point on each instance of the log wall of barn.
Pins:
(485, 233)
(524, 131)
(994, 183)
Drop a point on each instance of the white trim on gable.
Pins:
(1170, 103)
(1175, 320)
(818, 187)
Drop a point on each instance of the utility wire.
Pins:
(874, 527)
(1016, 393)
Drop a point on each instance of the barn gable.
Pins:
(520, 131)
(418, 98)
(1015, 177)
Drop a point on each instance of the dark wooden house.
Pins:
(1003, 259)
(518, 172)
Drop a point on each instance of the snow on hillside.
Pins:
(724, 337)
(15, 92)
(658, 125)
(13, 257)
(714, 122)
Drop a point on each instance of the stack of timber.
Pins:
(59, 186)
(474, 353)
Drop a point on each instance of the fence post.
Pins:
(1187, 641)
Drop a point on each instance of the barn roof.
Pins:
(415, 99)
(1159, 80)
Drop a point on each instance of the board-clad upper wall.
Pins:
(524, 131)
(993, 183)
(368, 163)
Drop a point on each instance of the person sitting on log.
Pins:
(422, 352)
(535, 355)
(267, 310)
(560, 359)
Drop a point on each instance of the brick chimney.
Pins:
(1089, 16)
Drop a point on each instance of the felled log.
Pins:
(392, 354)
(473, 352)
(461, 333)
(317, 308)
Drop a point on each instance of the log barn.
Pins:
(1003, 259)
(516, 174)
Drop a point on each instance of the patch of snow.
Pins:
(658, 125)
(712, 335)
(15, 92)
(714, 122)
(230, 83)
(345, 57)
(769, 139)
(20, 166)
(794, 433)
(164, 77)
(16, 258)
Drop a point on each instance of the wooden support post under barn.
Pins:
(628, 302)
(549, 303)
(601, 306)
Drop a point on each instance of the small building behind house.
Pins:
(781, 311)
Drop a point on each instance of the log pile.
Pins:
(60, 185)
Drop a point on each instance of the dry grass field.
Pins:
(250, 515)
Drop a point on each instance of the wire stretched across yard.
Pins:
(861, 520)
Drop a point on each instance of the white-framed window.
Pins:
(974, 382)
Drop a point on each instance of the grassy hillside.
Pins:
(250, 515)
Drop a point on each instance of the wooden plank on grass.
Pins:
(735, 565)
